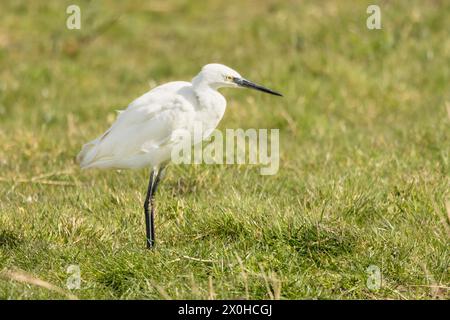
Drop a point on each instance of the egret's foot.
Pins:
(150, 244)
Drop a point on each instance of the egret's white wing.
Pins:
(148, 123)
(158, 93)
(150, 103)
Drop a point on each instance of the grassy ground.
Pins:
(364, 170)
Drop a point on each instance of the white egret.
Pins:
(144, 134)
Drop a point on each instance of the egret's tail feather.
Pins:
(87, 154)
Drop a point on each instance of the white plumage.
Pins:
(145, 133)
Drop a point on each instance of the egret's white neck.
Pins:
(211, 103)
(200, 82)
(206, 91)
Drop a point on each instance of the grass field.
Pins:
(364, 140)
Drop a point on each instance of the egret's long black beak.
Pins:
(248, 84)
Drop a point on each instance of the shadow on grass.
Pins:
(317, 241)
(9, 239)
(223, 227)
(117, 280)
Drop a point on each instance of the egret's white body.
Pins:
(146, 132)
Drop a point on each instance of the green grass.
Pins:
(364, 168)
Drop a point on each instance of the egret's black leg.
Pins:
(149, 215)
(159, 176)
(149, 202)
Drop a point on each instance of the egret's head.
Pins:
(217, 76)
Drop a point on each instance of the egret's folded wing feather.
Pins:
(152, 97)
(148, 104)
(140, 126)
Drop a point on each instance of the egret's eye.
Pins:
(228, 78)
